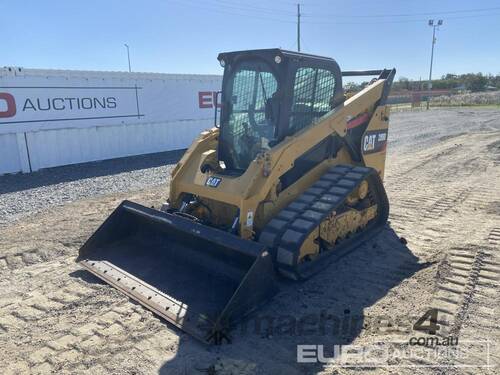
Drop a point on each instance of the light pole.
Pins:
(128, 56)
(429, 86)
(298, 27)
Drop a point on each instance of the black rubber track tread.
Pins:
(312, 207)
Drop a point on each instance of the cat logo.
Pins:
(369, 143)
(374, 141)
(213, 181)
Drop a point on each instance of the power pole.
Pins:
(128, 56)
(429, 86)
(298, 27)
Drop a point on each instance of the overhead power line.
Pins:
(254, 8)
(397, 21)
(276, 15)
(223, 10)
(403, 14)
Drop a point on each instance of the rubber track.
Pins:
(285, 233)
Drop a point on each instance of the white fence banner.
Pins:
(141, 105)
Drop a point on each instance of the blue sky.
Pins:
(185, 36)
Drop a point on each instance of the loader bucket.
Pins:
(199, 278)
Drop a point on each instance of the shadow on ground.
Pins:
(68, 173)
(328, 309)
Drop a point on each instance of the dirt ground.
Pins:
(440, 250)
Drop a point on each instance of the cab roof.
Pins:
(229, 56)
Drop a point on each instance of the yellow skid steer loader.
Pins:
(288, 182)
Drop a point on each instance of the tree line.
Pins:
(474, 82)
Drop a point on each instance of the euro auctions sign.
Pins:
(40, 107)
(9, 105)
(52, 104)
(36, 102)
(208, 99)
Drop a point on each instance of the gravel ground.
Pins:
(442, 178)
(22, 195)
(415, 131)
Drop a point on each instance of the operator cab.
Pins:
(270, 94)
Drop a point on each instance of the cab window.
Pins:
(248, 127)
(313, 92)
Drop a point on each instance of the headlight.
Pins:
(277, 59)
(222, 63)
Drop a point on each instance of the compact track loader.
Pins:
(290, 181)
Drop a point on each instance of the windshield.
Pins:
(249, 123)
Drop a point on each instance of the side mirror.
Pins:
(216, 107)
